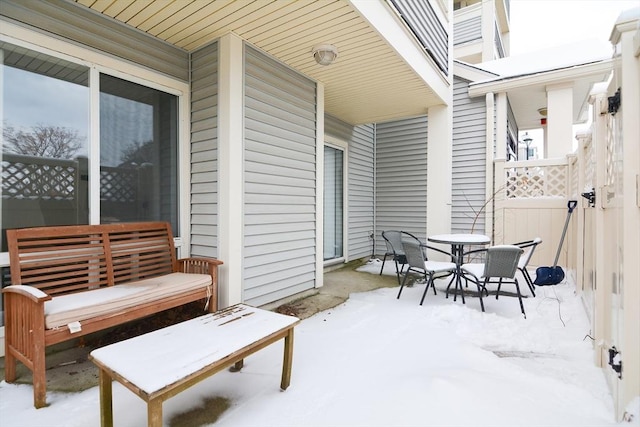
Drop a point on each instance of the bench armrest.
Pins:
(34, 294)
(199, 265)
(203, 266)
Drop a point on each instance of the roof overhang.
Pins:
(527, 92)
(381, 72)
(470, 72)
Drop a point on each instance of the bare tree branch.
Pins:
(43, 141)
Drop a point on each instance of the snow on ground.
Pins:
(380, 361)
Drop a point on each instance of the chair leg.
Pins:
(429, 283)
(499, 286)
(484, 287)
(383, 260)
(449, 285)
(402, 284)
(527, 278)
(398, 272)
(520, 298)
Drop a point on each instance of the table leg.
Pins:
(154, 413)
(288, 359)
(460, 262)
(106, 400)
(457, 252)
(237, 366)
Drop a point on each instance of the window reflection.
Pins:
(45, 124)
(138, 153)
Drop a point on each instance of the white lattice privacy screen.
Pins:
(536, 181)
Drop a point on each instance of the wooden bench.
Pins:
(163, 363)
(71, 281)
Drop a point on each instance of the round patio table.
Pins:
(458, 241)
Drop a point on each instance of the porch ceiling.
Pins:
(527, 77)
(529, 93)
(369, 81)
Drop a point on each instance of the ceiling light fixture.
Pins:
(325, 54)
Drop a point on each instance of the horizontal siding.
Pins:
(82, 25)
(401, 177)
(279, 180)
(467, 31)
(469, 161)
(361, 191)
(423, 21)
(204, 152)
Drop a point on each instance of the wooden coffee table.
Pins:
(163, 363)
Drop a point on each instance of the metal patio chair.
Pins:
(418, 262)
(501, 263)
(529, 246)
(393, 239)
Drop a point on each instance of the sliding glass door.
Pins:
(333, 203)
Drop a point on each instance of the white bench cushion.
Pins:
(65, 309)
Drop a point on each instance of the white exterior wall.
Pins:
(439, 139)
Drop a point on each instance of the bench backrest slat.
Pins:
(68, 259)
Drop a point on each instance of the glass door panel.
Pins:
(138, 153)
(333, 203)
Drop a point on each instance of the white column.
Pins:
(501, 126)
(230, 170)
(488, 30)
(439, 141)
(559, 141)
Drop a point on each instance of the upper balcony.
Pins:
(481, 30)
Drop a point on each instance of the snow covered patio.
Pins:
(379, 361)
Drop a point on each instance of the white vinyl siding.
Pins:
(467, 31)
(204, 152)
(361, 191)
(401, 177)
(424, 23)
(279, 180)
(88, 28)
(469, 161)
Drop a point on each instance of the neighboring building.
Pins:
(496, 97)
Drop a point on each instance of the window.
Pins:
(46, 145)
(138, 153)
